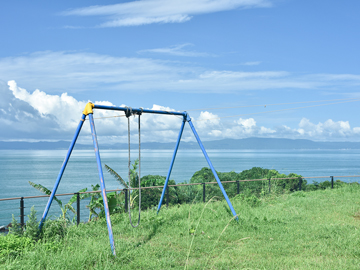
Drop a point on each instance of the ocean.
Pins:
(17, 167)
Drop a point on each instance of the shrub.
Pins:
(15, 228)
(32, 226)
(150, 197)
(54, 230)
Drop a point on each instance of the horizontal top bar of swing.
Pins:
(137, 110)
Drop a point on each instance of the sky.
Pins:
(275, 68)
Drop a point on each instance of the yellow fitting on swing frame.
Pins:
(88, 108)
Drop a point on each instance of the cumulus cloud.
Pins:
(212, 127)
(19, 120)
(41, 116)
(160, 11)
(37, 115)
(328, 129)
(64, 109)
(244, 128)
(80, 71)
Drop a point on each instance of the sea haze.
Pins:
(17, 167)
(248, 143)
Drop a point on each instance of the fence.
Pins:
(78, 214)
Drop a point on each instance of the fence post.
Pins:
(238, 187)
(22, 222)
(203, 192)
(77, 208)
(270, 185)
(167, 196)
(332, 181)
(300, 183)
(126, 199)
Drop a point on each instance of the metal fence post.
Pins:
(203, 192)
(22, 222)
(300, 183)
(270, 185)
(77, 208)
(126, 199)
(332, 181)
(237, 187)
(167, 196)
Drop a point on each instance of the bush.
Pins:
(15, 228)
(54, 230)
(32, 226)
(150, 197)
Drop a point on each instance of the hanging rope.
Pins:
(128, 114)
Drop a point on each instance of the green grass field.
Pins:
(300, 230)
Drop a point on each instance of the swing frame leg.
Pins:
(62, 169)
(188, 119)
(102, 183)
(171, 165)
(212, 168)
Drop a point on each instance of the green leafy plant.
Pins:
(116, 176)
(32, 225)
(15, 228)
(30, 230)
(94, 202)
(53, 230)
(67, 206)
(116, 201)
(12, 245)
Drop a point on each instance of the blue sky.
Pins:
(181, 55)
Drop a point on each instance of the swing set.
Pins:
(88, 111)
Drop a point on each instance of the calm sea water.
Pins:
(17, 167)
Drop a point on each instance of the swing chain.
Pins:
(128, 113)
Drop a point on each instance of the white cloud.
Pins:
(85, 71)
(242, 75)
(132, 21)
(242, 128)
(176, 51)
(63, 112)
(41, 116)
(80, 71)
(253, 63)
(19, 120)
(328, 129)
(161, 11)
(207, 119)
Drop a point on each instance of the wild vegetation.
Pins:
(251, 191)
(284, 228)
(299, 230)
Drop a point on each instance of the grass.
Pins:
(301, 230)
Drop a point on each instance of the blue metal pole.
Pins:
(47, 208)
(171, 165)
(136, 110)
(102, 183)
(211, 166)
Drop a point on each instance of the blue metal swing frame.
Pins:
(89, 112)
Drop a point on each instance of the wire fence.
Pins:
(23, 209)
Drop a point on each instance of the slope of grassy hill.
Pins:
(301, 230)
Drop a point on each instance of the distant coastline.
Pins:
(226, 144)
